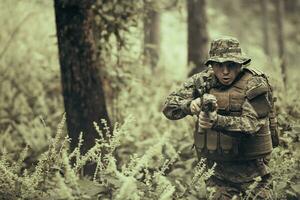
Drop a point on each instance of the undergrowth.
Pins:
(53, 177)
(147, 156)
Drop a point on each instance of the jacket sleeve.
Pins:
(177, 104)
(248, 122)
(255, 110)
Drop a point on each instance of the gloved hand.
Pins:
(207, 120)
(195, 106)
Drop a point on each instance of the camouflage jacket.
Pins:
(177, 106)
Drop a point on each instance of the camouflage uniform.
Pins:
(231, 177)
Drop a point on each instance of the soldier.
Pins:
(238, 135)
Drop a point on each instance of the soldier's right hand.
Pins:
(195, 106)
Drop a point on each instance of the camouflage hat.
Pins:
(226, 49)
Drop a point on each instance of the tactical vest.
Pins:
(218, 146)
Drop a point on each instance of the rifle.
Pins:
(209, 104)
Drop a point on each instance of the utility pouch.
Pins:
(212, 140)
(226, 143)
(199, 139)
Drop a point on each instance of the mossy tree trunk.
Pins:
(197, 34)
(82, 88)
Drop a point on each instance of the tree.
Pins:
(197, 34)
(82, 87)
(280, 37)
(265, 29)
(151, 34)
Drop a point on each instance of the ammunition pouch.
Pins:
(223, 146)
(219, 146)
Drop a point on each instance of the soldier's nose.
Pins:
(225, 69)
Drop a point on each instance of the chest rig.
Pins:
(221, 146)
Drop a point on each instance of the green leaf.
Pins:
(296, 189)
(90, 188)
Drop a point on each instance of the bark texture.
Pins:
(82, 88)
(197, 34)
(152, 37)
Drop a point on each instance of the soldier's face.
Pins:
(226, 72)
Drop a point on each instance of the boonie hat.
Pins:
(226, 49)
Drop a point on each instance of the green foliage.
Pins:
(143, 177)
(28, 97)
(148, 157)
(114, 17)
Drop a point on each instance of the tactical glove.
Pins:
(207, 120)
(195, 106)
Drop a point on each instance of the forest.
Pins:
(83, 85)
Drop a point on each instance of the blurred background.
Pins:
(145, 50)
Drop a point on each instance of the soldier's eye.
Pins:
(216, 64)
(231, 65)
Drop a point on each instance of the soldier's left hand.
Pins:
(206, 121)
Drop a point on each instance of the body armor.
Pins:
(223, 146)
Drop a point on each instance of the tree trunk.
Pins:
(82, 88)
(280, 37)
(197, 35)
(265, 29)
(151, 37)
(291, 6)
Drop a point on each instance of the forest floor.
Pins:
(149, 157)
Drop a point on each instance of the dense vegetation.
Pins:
(148, 156)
